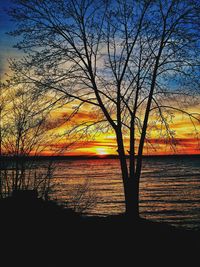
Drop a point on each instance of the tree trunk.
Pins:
(132, 198)
(130, 184)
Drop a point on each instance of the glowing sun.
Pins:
(101, 151)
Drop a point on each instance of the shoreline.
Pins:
(34, 210)
(46, 227)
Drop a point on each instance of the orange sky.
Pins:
(186, 140)
(103, 144)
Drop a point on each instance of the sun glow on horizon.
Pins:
(101, 151)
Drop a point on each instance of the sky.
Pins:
(6, 42)
(103, 144)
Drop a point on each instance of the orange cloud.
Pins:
(185, 141)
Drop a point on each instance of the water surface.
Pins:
(169, 188)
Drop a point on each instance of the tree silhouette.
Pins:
(130, 60)
(23, 134)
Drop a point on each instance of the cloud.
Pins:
(177, 141)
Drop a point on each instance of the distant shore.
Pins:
(103, 157)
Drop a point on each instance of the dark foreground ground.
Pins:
(46, 231)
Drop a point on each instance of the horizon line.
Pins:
(108, 156)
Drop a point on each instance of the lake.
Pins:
(169, 188)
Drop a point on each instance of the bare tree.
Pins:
(2, 129)
(82, 197)
(27, 130)
(130, 60)
(24, 134)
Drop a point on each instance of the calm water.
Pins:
(169, 190)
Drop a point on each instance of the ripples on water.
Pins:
(169, 188)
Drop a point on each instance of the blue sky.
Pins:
(6, 41)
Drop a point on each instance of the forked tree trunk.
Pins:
(130, 184)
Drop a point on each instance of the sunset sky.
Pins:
(104, 143)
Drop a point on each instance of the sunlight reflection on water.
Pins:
(169, 189)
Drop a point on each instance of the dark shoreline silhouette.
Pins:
(43, 233)
(25, 215)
